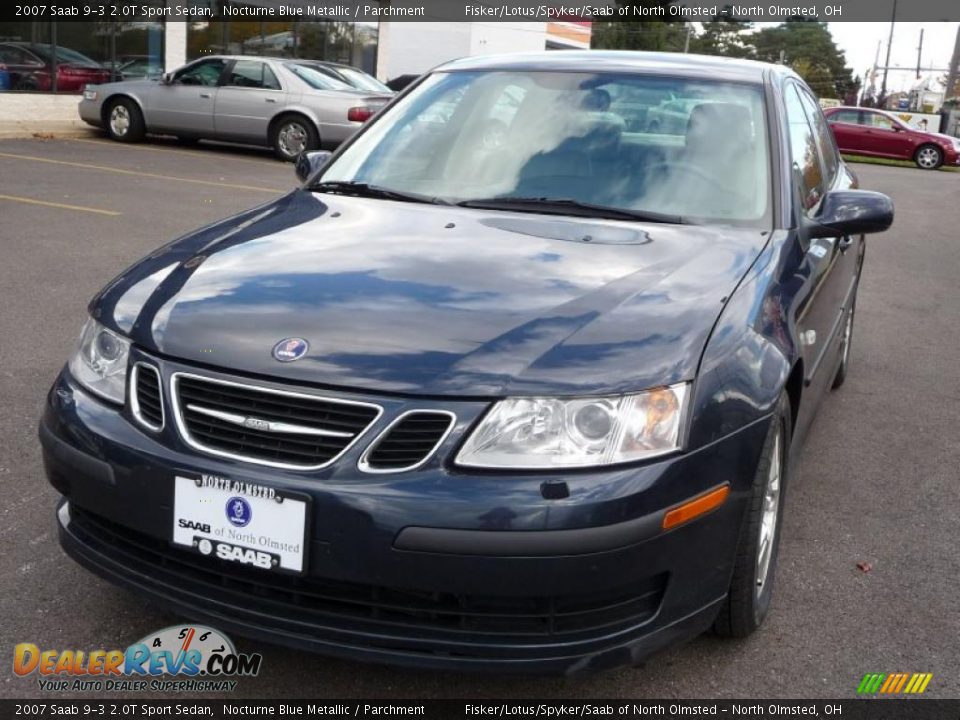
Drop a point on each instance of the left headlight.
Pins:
(89, 94)
(542, 433)
(100, 362)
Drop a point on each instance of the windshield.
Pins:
(689, 148)
(316, 79)
(363, 81)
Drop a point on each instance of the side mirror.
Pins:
(166, 79)
(308, 163)
(852, 212)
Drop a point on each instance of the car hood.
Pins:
(129, 85)
(425, 299)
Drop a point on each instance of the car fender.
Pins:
(295, 106)
(752, 349)
(125, 93)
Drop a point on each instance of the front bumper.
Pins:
(433, 567)
(89, 111)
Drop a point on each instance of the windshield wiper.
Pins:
(361, 189)
(569, 206)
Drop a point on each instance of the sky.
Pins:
(859, 41)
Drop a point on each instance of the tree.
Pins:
(666, 35)
(808, 48)
(724, 36)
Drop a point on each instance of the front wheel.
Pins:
(751, 586)
(125, 121)
(847, 341)
(293, 135)
(928, 157)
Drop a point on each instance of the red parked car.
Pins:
(865, 131)
(28, 65)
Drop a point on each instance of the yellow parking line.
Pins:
(175, 151)
(62, 206)
(155, 176)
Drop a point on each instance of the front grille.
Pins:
(147, 399)
(408, 442)
(386, 614)
(266, 426)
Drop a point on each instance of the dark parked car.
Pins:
(520, 407)
(138, 68)
(400, 82)
(863, 131)
(30, 67)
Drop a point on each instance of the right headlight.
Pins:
(543, 433)
(100, 362)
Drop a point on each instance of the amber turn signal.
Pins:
(695, 508)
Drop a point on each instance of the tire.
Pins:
(653, 127)
(841, 375)
(928, 157)
(291, 135)
(124, 121)
(26, 84)
(751, 585)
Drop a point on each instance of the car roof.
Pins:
(719, 68)
(888, 113)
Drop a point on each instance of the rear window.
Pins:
(315, 78)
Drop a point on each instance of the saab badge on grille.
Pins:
(290, 349)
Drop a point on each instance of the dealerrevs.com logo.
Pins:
(204, 658)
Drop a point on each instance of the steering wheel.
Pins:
(689, 168)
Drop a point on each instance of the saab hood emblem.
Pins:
(290, 349)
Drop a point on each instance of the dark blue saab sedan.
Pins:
(512, 381)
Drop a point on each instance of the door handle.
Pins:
(205, 95)
(845, 242)
(270, 100)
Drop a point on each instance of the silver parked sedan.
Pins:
(280, 102)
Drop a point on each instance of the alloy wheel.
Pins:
(770, 514)
(847, 334)
(928, 157)
(119, 120)
(292, 139)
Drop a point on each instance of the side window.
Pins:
(803, 150)
(845, 116)
(828, 149)
(270, 81)
(245, 74)
(206, 72)
(876, 120)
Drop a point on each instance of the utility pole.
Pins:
(883, 86)
(686, 42)
(954, 74)
(919, 53)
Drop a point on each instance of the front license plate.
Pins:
(251, 525)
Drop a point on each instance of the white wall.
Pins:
(507, 37)
(23, 114)
(415, 47)
(174, 43)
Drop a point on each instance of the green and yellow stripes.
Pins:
(894, 683)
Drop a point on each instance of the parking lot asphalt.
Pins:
(877, 483)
